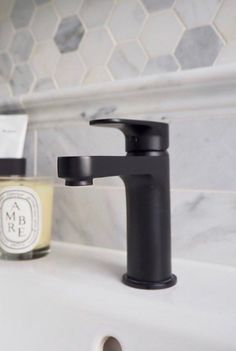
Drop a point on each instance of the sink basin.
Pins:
(73, 299)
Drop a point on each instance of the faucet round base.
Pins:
(149, 285)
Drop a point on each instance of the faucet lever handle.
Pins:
(140, 136)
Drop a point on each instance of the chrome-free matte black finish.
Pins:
(145, 172)
(12, 167)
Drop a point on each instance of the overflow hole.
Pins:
(111, 344)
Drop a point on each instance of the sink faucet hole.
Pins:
(111, 344)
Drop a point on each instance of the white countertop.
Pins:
(73, 298)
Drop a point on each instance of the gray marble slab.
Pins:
(76, 139)
(203, 223)
(93, 216)
(201, 151)
(204, 226)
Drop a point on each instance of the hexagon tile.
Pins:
(96, 47)
(21, 46)
(127, 60)
(21, 79)
(196, 13)
(69, 34)
(57, 44)
(47, 16)
(22, 13)
(198, 47)
(101, 8)
(161, 33)
(126, 20)
(69, 71)
(44, 59)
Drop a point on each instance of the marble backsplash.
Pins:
(200, 108)
(203, 183)
(203, 222)
(201, 151)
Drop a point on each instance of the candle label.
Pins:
(20, 219)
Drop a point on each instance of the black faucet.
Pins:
(145, 172)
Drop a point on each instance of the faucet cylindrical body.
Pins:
(148, 228)
(145, 172)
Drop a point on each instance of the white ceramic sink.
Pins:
(72, 299)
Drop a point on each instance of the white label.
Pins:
(20, 219)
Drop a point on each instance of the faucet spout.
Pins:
(82, 170)
(145, 174)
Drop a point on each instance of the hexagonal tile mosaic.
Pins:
(58, 44)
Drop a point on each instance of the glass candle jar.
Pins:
(25, 217)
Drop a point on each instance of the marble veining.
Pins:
(202, 153)
(73, 140)
(44, 84)
(200, 107)
(21, 79)
(127, 60)
(89, 216)
(161, 64)
(101, 112)
(196, 160)
(204, 226)
(196, 13)
(203, 222)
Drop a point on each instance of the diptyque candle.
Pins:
(25, 214)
